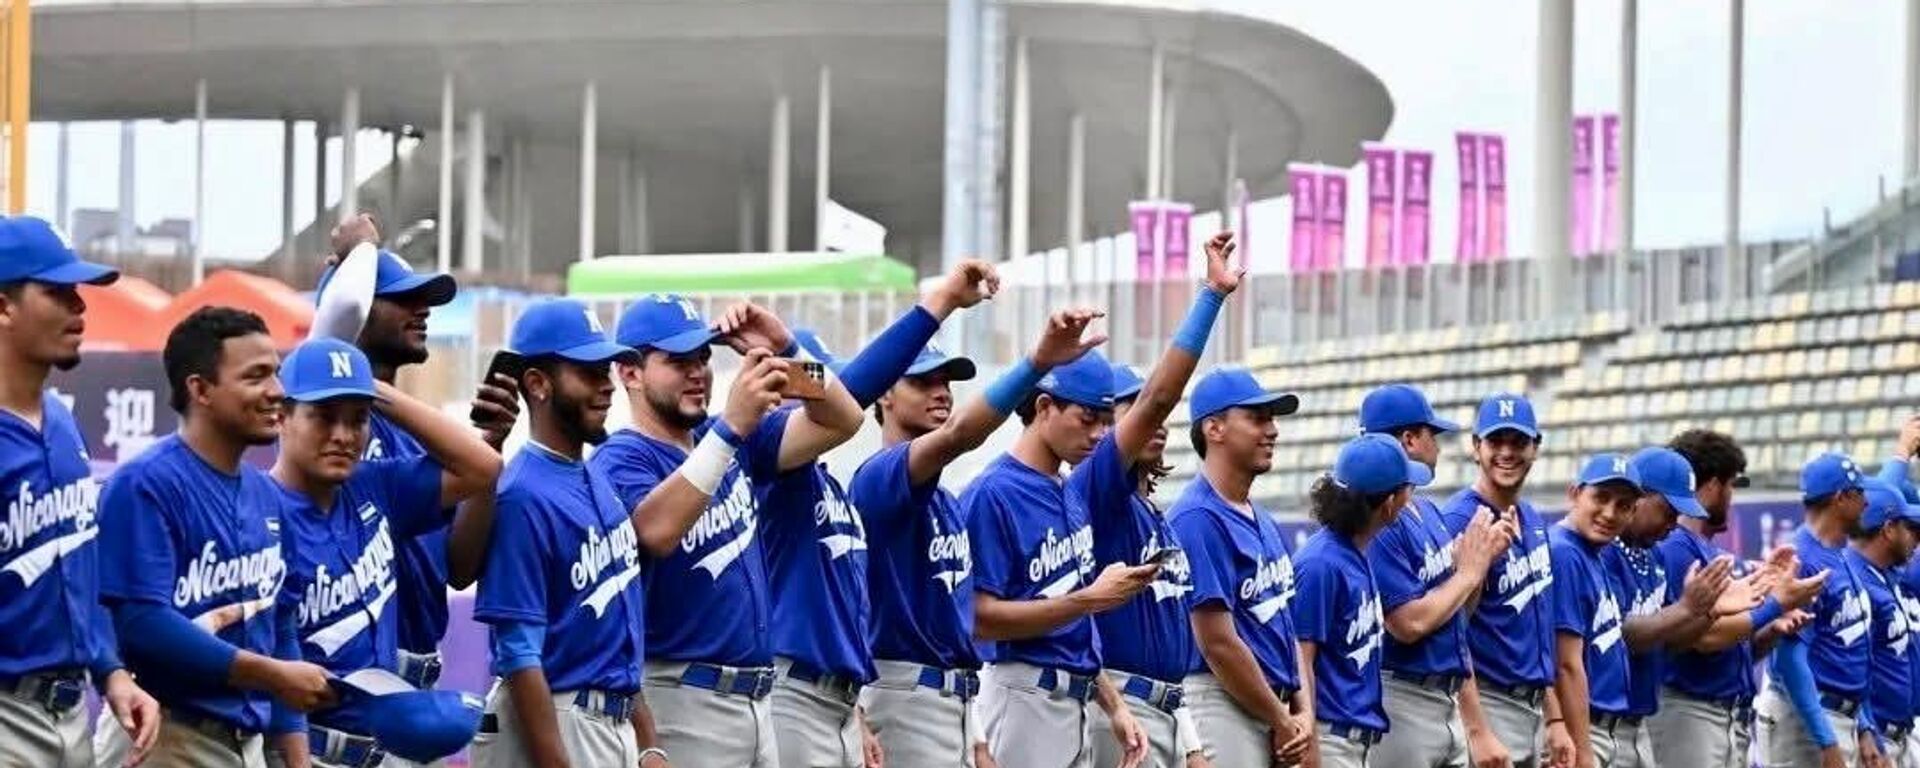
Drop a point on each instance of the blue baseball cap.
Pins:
(326, 369)
(393, 276)
(564, 328)
(1664, 471)
(32, 249)
(1375, 463)
(1087, 381)
(1828, 474)
(664, 321)
(813, 348)
(1506, 410)
(1127, 381)
(1233, 386)
(1608, 468)
(421, 726)
(1885, 503)
(1400, 405)
(932, 358)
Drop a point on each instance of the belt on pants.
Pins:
(344, 749)
(234, 739)
(1447, 684)
(1525, 694)
(1899, 732)
(1365, 737)
(1740, 707)
(1064, 684)
(1162, 696)
(1839, 705)
(752, 682)
(609, 704)
(55, 690)
(844, 688)
(421, 670)
(1607, 721)
(962, 683)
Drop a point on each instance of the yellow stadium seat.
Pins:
(1798, 304)
(1779, 395)
(1906, 294)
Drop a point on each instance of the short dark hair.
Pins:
(12, 288)
(1343, 510)
(195, 344)
(1197, 434)
(1028, 408)
(1714, 455)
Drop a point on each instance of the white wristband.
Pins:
(708, 463)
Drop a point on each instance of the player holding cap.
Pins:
(343, 518)
(1337, 609)
(195, 538)
(1243, 679)
(1033, 537)
(562, 592)
(1510, 633)
(1145, 642)
(920, 564)
(1810, 714)
(59, 636)
(710, 656)
(1882, 544)
(1427, 577)
(1591, 683)
(817, 551)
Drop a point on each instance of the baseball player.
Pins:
(1705, 714)
(1810, 714)
(1032, 539)
(1591, 654)
(195, 538)
(817, 553)
(1895, 473)
(1243, 679)
(920, 564)
(1337, 608)
(1427, 579)
(59, 636)
(1510, 632)
(562, 592)
(1882, 544)
(1146, 642)
(710, 655)
(343, 519)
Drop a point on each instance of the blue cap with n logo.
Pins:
(1506, 410)
(326, 369)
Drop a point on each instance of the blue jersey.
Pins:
(565, 556)
(817, 558)
(717, 577)
(184, 535)
(420, 570)
(1338, 608)
(1642, 583)
(1151, 634)
(340, 583)
(920, 568)
(1511, 631)
(1837, 643)
(49, 572)
(1033, 541)
(1412, 556)
(1586, 603)
(1717, 675)
(1890, 684)
(1240, 564)
(1909, 581)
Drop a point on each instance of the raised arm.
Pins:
(1169, 377)
(676, 502)
(824, 423)
(871, 372)
(469, 466)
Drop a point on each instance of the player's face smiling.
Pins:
(919, 404)
(1505, 457)
(1248, 435)
(325, 440)
(245, 397)
(44, 323)
(1156, 446)
(396, 331)
(676, 387)
(1600, 512)
(1652, 519)
(581, 394)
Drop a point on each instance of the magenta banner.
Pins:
(1582, 197)
(1146, 229)
(1178, 217)
(1381, 162)
(1609, 238)
(1493, 232)
(1333, 219)
(1468, 248)
(1416, 178)
(1306, 217)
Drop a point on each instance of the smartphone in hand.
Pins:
(506, 363)
(806, 380)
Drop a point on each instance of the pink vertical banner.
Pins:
(1416, 179)
(1333, 219)
(1609, 238)
(1178, 217)
(1306, 217)
(1468, 248)
(1582, 197)
(1381, 162)
(1146, 232)
(1493, 230)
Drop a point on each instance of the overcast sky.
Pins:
(1822, 117)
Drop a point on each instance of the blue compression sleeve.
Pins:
(1790, 667)
(1193, 332)
(517, 645)
(1006, 392)
(1894, 473)
(868, 375)
(106, 658)
(286, 637)
(1768, 610)
(158, 632)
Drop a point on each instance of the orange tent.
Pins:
(287, 313)
(121, 316)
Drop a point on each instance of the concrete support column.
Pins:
(1553, 156)
(959, 171)
(746, 218)
(778, 161)
(1910, 97)
(1076, 200)
(199, 179)
(589, 165)
(394, 179)
(1629, 127)
(642, 224)
(127, 228)
(473, 217)
(443, 221)
(349, 152)
(61, 204)
(823, 159)
(1020, 155)
(1733, 263)
(1156, 115)
(288, 253)
(320, 179)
